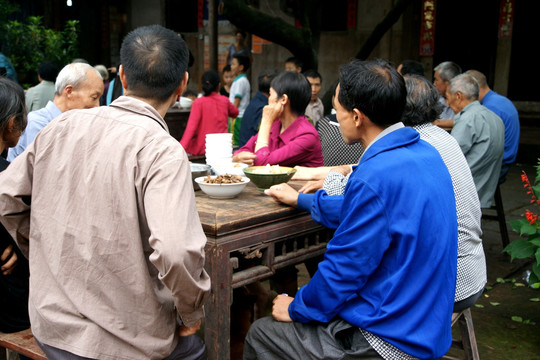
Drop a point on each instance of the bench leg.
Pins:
(468, 337)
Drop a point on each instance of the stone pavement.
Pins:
(497, 335)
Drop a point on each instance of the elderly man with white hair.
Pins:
(480, 134)
(78, 86)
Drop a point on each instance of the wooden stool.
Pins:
(21, 342)
(468, 338)
(499, 216)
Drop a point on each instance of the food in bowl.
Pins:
(271, 169)
(223, 179)
(221, 190)
(265, 176)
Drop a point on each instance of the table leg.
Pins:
(217, 307)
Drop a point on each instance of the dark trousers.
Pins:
(467, 302)
(269, 339)
(188, 348)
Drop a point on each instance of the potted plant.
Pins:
(529, 229)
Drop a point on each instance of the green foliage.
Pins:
(529, 230)
(31, 43)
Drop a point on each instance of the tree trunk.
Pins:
(298, 41)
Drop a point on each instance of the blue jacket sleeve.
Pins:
(324, 209)
(351, 257)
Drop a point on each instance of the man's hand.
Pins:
(10, 264)
(343, 169)
(283, 193)
(188, 331)
(307, 173)
(311, 186)
(280, 309)
(245, 157)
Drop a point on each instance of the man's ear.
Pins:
(182, 87)
(69, 90)
(358, 117)
(122, 75)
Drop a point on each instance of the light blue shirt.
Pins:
(480, 135)
(37, 120)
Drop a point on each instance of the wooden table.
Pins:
(251, 225)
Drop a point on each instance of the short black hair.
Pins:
(265, 79)
(226, 68)
(242, 60)
(48, 71)
(189, 92)
(373, 87)
(155, 60)
(12, 103)
(412, 67)
(312, 74)
(296, 87)
(295, 61)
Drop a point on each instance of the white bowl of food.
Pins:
(233, 168)
(222, 186)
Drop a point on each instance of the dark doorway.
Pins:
(466, 33)
(524, 75)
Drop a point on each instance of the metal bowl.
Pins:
(198, 170)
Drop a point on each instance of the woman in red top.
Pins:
(209, 115)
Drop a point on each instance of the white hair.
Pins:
(465, 84)
(72, 74)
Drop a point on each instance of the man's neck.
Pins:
(61, 103)
(161, 106)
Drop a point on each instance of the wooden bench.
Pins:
(21, 342)
(467, 343)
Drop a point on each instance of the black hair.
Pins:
(12, 104)
(312, 74)
(412, 67)
(48, 71)
(242, 60)
(189, 92)
(296, 87)
(265, 79)
(373, 87)
(241, 32)
(295, 61)
(155, 60)
(210, 82)
(226, 68)
(423, 104)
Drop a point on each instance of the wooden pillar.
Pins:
(213, 34)
(504, 47)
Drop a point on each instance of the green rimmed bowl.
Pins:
(263, 176)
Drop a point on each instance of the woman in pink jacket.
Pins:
(209, 115)
(285, 135)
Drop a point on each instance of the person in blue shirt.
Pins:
(506, 110)
(253, 114)
(77, 86)
(385, 288)
(7, 69)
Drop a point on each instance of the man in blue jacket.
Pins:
(386, 286)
